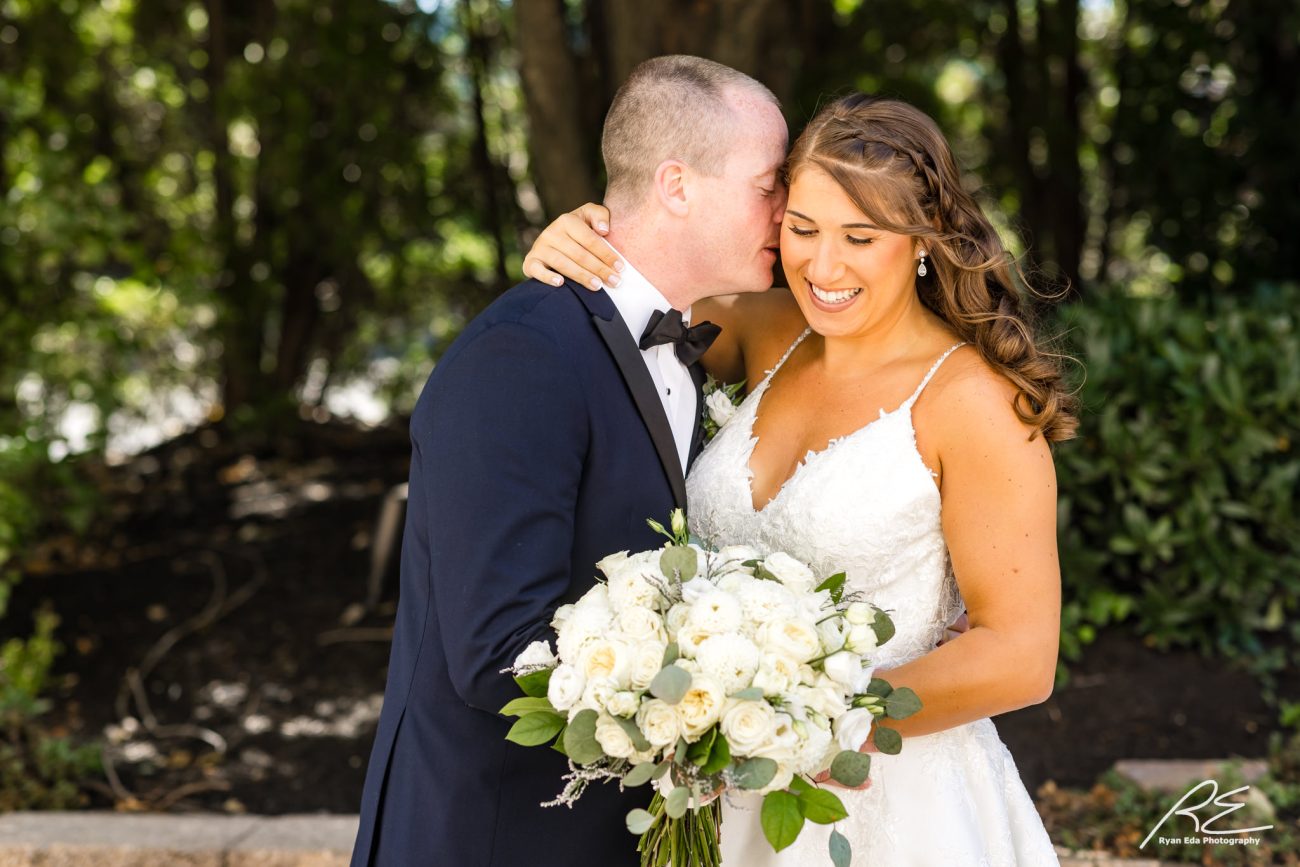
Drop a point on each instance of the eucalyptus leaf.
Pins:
(841, 852)
(754, 773)
(781, 819)
(752, 693)
(879, 687)
(535, 729)
(638, 739)
(640, 821)
(850, 768)
(902, 703)
(698, 752)
(640, 774)
(671, 654)
(677, 801)
(580, 738)
(887, 740)
(883, 626)
(670, 684)
(835, 584)
(679, 562)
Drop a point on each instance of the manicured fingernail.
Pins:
(556, 281)
(602, 227)
(613, 280)
(596, 284)
(620, 265)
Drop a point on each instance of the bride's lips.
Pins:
(832, 300)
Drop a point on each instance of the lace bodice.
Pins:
(866, 504)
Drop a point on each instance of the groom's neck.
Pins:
(653, 251)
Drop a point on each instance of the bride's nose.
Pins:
(825, 267)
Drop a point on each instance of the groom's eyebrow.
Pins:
(842, 226)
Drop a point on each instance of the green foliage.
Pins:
(1178, 502)
(41, 772)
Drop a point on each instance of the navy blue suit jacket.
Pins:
(539, 446)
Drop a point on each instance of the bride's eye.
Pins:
(802, 233)
(858, 242)
(767, 192)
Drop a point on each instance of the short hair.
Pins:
(671, 107)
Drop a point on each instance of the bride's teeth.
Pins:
(833, 297)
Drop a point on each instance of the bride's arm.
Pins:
(572, 246)
(999, 521)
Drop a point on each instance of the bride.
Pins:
(897, 427)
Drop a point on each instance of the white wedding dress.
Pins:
(868, 505)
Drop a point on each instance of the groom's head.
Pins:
(693, 152)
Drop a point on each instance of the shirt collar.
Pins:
(636, 298)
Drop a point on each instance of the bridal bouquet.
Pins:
(706, 671)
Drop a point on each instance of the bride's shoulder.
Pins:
(970, 398)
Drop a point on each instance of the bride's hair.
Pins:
(896, 167)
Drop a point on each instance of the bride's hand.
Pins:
(572, 245)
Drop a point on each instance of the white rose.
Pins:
(784, 776)
(826, 698)
(864, 679)
(586, 624)
(833, 632)
(561, 616)
(815, 605)
(747, 725)
(782, 741)
(701, 706)
(731, 659)
(860, 612)
(609, 565)
(695, 588)
(690, 639)
(659, 723)
(716, 611)
(776, 674)
(861, 639)
(688, 665)
(566, 686)
(795, 637)
(812, 751)
(720, 407)
(597, 598)
(844, 668)
(732, 558)
(647, 659)
(853, 728)
(631, 583)
(762, 601)
(596, 695)
(675, 619)
(790, 572)
(733, 582)
(623, 703)
(613, 739)
(641, 624)
(536, 655)
(604, 658)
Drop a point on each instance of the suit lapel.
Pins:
(697, 437)
(632, 366)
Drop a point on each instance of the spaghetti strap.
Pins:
(924, 382)
(793, 346)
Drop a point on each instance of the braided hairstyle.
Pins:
(896, 167)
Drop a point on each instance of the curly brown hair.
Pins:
(897, 168)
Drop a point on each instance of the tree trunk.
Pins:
(560, 144)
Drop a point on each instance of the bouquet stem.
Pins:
(691, 841)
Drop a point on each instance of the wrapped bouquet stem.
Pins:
(706, 670)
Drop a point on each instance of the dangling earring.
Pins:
(920, 269)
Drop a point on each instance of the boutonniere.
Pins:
(720, 402)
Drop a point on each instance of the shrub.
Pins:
(1178, 505)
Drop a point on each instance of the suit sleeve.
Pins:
(502, 448)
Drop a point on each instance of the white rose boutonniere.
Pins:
(720, 402)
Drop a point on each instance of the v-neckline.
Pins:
(810, 455)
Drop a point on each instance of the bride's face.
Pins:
(847, 276)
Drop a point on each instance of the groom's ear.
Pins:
(670, 185)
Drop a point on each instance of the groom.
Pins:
(557, 423)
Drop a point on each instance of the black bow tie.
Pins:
(690, 342)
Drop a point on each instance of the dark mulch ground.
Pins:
(254, 560)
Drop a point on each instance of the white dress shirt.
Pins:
(636, 299)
